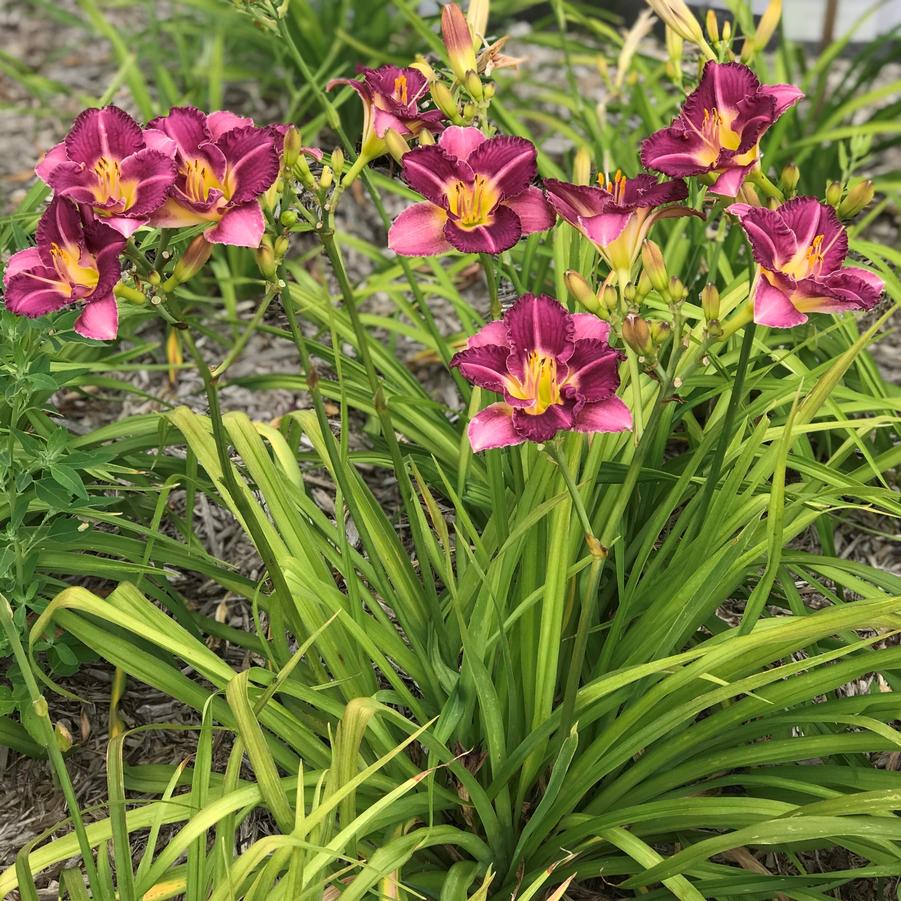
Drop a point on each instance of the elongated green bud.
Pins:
(710, 302)
(426, 138)
(676, 290)
(581, 290)
(458, 41)
(654, 266)
(326, 178)
(661, 332)
(443, 99)
(582, 167)
(834, 193)
(396, 144)
(473, 85)
(192, 260)
(337, 160)
(266, 261)
(859, 197)
(788, 178)
(292, 146)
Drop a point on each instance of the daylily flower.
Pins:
(224, 164)
(618, 215)
(391, 98)
(719, 126)
(555, 370)
(479, 196)
(800, 248)
(74, 261)
(105, 164)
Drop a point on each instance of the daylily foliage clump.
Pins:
(531, 512)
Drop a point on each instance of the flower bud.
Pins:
(337, 160)
(469, 112)
(710, 302)
(423, 65)
(661, 332)
(609, 301)
(292, 146)
(473, 85)
(766, 27)
(676, 290)
(675, 47)
(654, 265)
(280, 247)
(859, 197)
(443, 98)
(727, 31)
(458, 41)
(192, 260)
(637, 334)
(630, 294)
(154, 278)
(326, 178)
(426, 138)
(266, 261)
(396, 144)
(582, 167)
(788, 178)
(677, 15)
(288, 218)
(713, 28)
(834, 193)
(488, 90)
(477, 19)
(581, 290)
(643, 286)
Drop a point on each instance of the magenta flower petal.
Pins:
(609, 415)
(535, 214)
(186, 126)
(104, 244)
(772, 242)
(485, 366)
(593, 370)
(419, 231)
(153, 174)
(497, 236)
(873, 282)
(605, 228)
(35, 292)
(508, 161)
(542, 427)
(61, 225)
(222, 121)
(722, 87)
(493, 427)
(241, 226)
(431, 171)
(109, 132)
(785, 96)
(773, 307)
(252, 162)
(574, 201)
(50, 160)
(730, 180)
(99, 319)
(645, 191)
(20, 261)
(495, 332)
(155, 139)
(124, 225)
(677, 151)
(587, 326)
(840, 291)
(460, 141)
(539, 323)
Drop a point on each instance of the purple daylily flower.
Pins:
(479, 196)
(719, 127)
(555, 370)
(75, 261)
(800, 248)
(225, 164)
(391, 96)
(618, 215)
(105, 163)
